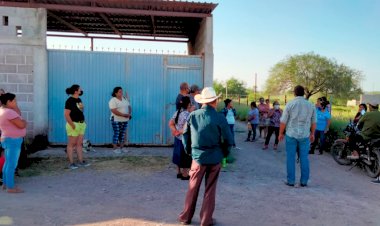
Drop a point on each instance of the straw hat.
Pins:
(206, 96)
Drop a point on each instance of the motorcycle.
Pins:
(369, 157)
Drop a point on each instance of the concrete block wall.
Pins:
(23, 63)
(16, 76)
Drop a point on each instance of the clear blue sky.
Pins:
(250, 36)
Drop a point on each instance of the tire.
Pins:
(374, 169)
(339, 153)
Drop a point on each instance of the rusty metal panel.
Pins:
(97, 73)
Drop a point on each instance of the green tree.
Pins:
(316, 73)
(235, 86)
(218, 87)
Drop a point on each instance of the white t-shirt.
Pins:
(230, 117)
(121, 106)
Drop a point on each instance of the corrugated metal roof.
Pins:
(156, 18)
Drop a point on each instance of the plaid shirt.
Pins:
(298, 116)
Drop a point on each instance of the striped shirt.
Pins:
(298, 116)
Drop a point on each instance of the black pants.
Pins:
(272, 129)
(253, 132)
(321, 136)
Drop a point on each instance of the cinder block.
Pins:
(29, 60)
(17, 78)
(30, 98)
(25, 69)
(9, 88)
(15, 59)
(11, 50)
(3, 78)
(22, 88)
(25, 107)
(30, 79)
(5, 68)
(22, 97)
(30, 116)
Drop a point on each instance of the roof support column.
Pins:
(203, 45)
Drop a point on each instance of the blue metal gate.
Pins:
(152, 82)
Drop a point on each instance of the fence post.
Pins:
(239, 99)
(247, 100)
(285, 99)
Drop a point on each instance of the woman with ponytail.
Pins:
(75, 125)
(176, 125)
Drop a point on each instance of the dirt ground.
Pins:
(140, 188)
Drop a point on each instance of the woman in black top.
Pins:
(75, 125)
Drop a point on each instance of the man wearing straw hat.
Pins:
(207, 137)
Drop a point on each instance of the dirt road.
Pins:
(250, 192)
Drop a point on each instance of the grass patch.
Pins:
(57, 166)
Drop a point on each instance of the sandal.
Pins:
(14, 190)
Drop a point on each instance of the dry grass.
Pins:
(56, 165)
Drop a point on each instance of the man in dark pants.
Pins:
(208, 138)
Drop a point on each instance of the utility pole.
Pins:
(255, 87)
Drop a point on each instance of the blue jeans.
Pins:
(291, 147)
(12, 147)
(232, 132)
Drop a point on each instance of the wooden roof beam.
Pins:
(67, 24)
(97, 9)
(105, 18)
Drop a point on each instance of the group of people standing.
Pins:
(120, 111)
(202, 139)
(267, 119)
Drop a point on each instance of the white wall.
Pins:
(203, 45)
(23, 64)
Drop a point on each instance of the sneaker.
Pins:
(288, 184)
(84, 164)
(265, 147)
(275, 147)
(117, 151)
(73, 166)
(247, 140)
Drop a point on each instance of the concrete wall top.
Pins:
(21, 26)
